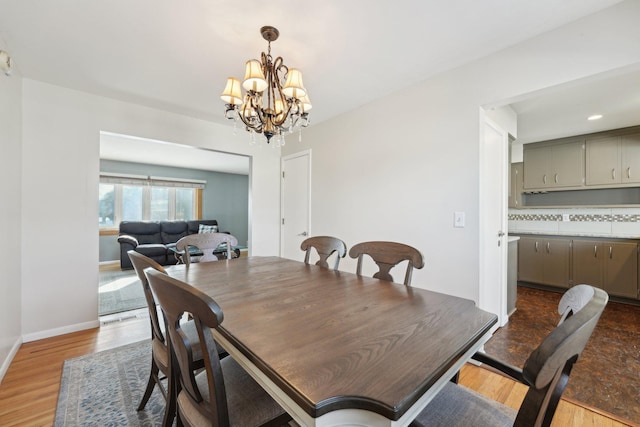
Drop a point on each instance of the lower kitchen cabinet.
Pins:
(544, 261)
(612, 266)
(588, 265)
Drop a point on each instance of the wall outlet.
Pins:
(565, 218)
(458, 219)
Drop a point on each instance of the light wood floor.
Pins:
(29, 390)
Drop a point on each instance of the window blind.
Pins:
(154, 181)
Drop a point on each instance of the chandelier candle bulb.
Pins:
(268, 106)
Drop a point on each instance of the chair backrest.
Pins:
(140, 263)
(325, 246)
(573, 300)
(548, 367)
(176, 299)
(207, 243)
(387, 255)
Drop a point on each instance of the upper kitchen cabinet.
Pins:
(553, 166)
(613, 160)
(630, 158)
(515, 186)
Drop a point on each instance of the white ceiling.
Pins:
(177, 55)
(563, 111)
(140, 150)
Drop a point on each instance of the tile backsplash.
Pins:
(597, 222)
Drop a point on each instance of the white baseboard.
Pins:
(9, 359)
(60, 331)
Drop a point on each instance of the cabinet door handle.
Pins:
(536, 246)
(556, 178)
(548, 247)
(595, 251)
(610, 252)
(613, 173)
(544, 179)
(629, 172)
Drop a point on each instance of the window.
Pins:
(135, 198)
(107, 207)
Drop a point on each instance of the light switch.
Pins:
(458, 219)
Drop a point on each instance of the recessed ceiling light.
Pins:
(595, 117)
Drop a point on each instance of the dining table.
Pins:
(334, 348)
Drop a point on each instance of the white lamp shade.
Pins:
(254, 77)
(306, 103)
(5, 62)
(293, 86)
(231, 93)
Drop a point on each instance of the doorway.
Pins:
(191, 183)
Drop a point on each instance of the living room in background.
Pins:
(131, 191)
(225, 198)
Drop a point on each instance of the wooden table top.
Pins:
(333, 340)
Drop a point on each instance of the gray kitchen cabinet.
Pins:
(621, 269)
(544, 260)
(612, 266)
(553, 166)
(516, 183)
(603, 161)
(536, 166)
(630, 147)
(613, 160)
(588, 266)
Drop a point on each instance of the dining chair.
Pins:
(546, 373)
(325, 246)
(222, 394)
(206, 243)
(159, 351)
(387, 255)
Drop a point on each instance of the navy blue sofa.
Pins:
(154, 238)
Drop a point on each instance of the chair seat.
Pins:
(248, 403)
(457, 406)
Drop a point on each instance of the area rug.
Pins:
(119, 291)
(104, 389)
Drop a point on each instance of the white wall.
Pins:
(60, 195)
(397, 168)
(10, 177)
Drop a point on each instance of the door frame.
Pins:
(303, 153)
(487, 292)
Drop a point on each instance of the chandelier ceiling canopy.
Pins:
(275, 99)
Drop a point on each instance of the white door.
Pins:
(493, 218)
(296, 191)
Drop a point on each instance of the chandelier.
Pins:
(275, 100)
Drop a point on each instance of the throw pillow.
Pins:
(207, 228)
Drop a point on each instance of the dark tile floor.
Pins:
(607, 374)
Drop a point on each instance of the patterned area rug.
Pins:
(104, 389)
